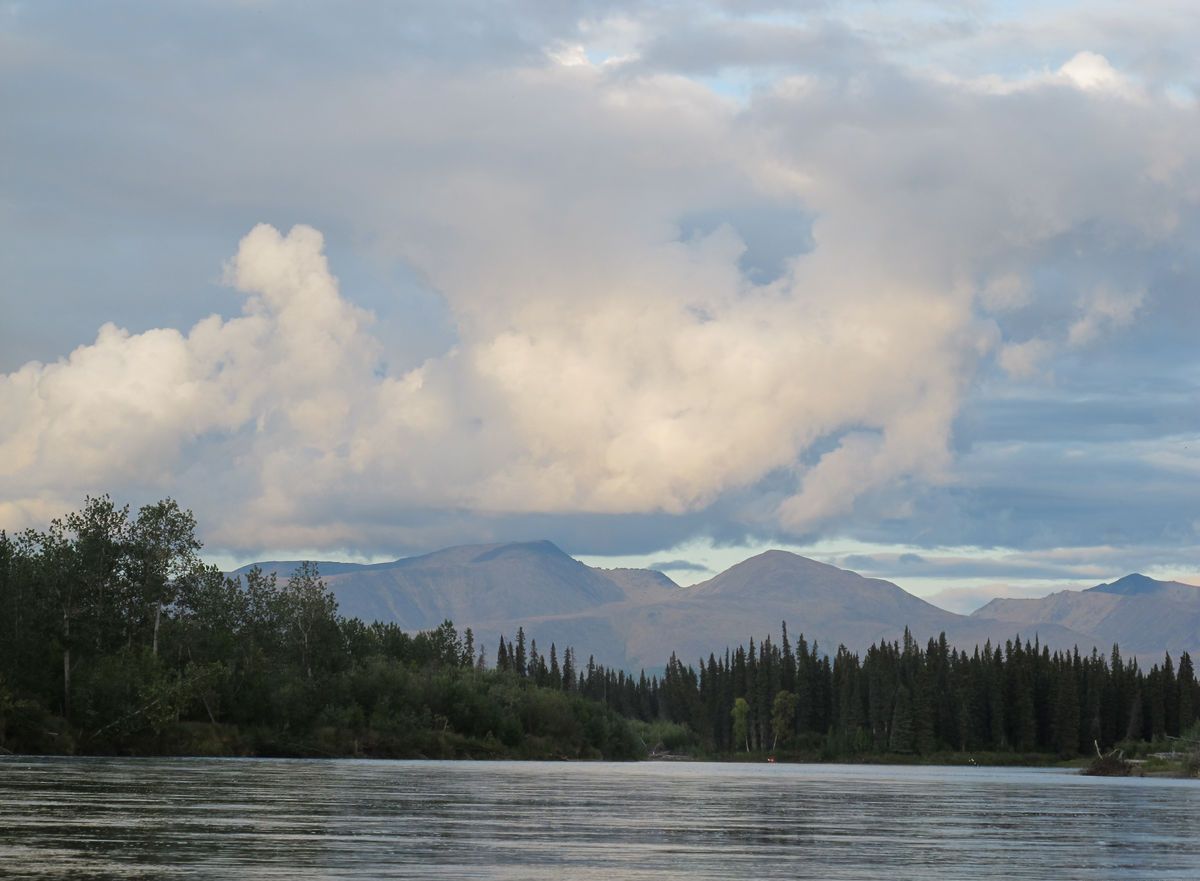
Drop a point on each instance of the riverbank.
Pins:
(577, 731)
(206, 740)
(200, 740)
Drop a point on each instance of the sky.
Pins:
(910, 287)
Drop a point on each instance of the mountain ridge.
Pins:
(1142, 615)
(638, 617)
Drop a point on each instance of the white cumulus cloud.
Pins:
(581, 223)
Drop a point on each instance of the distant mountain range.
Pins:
(1145, 617)
(635, 618)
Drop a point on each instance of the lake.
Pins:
(269, 818)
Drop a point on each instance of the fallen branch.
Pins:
(1110, 764)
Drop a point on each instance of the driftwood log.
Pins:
(1110, 764)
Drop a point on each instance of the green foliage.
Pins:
(114, 638)
(783, 717)
(908, 702)
(661, 736)
(741, 722)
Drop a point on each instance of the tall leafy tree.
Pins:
(783, 717)
(741, 722)
(310, 611)
(164, 548)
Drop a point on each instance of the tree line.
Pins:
(899, 698)
(114, 637)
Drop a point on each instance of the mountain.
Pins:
(472, 583)
(643, 584)
(1142, 585)
(636, 618)
(1144, 616)
(828, 605)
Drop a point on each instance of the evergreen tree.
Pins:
(568, 669)
(555, 672)
(468, 655)
(1170, 690)
(1066, 717)
(901, 736)
(519, 659)
(1157, 705)
(1186, 687)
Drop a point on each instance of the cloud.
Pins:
(1103, 309)
(1092, 72)
(1021, 360)
(973, 564)
(678, 566)
(1005, 293)
(129, 407)
(770, 314)
(625, 405)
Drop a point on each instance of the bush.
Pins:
(662, 736)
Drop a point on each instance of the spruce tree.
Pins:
(555, 672)
(1156, 697)
(568, 669)
(1066, 715)
(901, 736)
(519, 660)
(1170, 689)
(1186, 685)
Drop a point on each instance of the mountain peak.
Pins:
(789, 576)
(776, 557)
(540, 548)
(1134, 584)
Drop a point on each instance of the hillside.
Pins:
(829, 605)
(470, 583)
(1144, 616)
(636, 618)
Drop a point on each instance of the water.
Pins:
(266, 818)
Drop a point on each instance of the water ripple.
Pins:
(266, 818)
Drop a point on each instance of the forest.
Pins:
(902, 699)
(116, 639)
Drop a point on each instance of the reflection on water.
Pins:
(267, 818)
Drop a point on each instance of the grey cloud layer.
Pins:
(844, 305)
